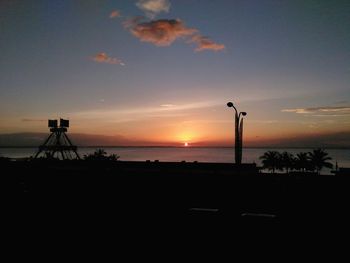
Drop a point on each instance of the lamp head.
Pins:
(244, 113)
(229, 104)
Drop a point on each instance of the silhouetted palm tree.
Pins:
(287, 161)
(271, 160)
(318, 159)
(99, 154)
(302, 162)
(113, 157)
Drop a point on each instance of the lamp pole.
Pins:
(238, 133)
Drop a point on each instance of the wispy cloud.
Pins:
(164, 32)
(144, 112)
(321, 111)
(114, 14)
(205, 43)
(153, 7)
(189, 106)
(104, 58)
(299, 110)
(264, 121)
(341, 102)
(33, 120)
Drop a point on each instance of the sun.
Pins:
(186, 144)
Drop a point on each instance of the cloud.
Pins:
(300, 110)
(167, 105)
(264, 121)
(341, 102)
(33, 120)
(164, 32)
(321, 111)
(339, 139)
(153, 7)
(144, 112)
(104, 58)
(114, 14)
(205, 43)
(159, 32)
(35, 139)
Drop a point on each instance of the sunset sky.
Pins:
(160, 72)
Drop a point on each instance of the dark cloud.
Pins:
(326, 140)
(33, 139)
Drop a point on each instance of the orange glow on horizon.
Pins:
(186, 137)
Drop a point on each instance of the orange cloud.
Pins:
(104, 58)
(114, 14)
(159, 32)
(205, 43)
(164, 32)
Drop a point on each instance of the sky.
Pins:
(160, 72)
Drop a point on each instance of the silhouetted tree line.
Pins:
(98, 155)
(304, 161)
(101, 155)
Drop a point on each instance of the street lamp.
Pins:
(238, 133)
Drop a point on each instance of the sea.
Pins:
(189, 154)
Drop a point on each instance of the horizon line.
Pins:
(186, 147)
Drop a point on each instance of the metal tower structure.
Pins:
(58, 145)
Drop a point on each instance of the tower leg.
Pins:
(44, 144)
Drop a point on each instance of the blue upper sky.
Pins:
(285, 62)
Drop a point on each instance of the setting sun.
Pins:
(186, 144)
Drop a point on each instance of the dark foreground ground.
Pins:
(222, 198)
(179, 188)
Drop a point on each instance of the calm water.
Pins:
(342, 156)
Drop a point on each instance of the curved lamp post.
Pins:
(238, 133)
